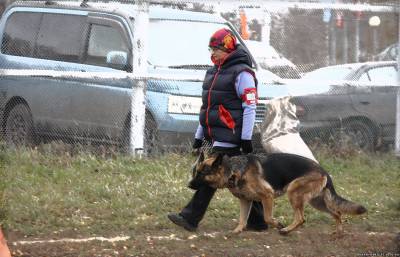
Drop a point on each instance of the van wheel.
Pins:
(151, 139)
(19, 127)
(359, 134)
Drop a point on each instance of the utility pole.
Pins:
(345, 51)
(266, 27)
(357, 37)
(332, 40)
(374, 22)
(326, 17)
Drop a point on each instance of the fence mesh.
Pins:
(67, 74)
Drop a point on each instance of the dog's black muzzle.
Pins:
(197, 182)
(197, 179)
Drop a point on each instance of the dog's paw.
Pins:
(337, 235)
(237, 230)
(230, 234)
(280, 226)
(283, 232)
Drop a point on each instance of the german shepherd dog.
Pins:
(262, 178)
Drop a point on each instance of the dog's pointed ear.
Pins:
(218, 160)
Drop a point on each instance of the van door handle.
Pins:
(365, 102)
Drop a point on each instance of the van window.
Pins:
(20, 34)
(60, 37)
(102, 40)
(170, 45)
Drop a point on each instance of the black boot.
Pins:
(177, 219)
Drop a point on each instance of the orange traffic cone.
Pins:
(4, 251)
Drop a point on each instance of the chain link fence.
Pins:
(71, 72)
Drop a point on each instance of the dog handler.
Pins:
(227, 119)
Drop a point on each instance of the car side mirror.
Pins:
(117, 60)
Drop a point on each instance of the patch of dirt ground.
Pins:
(306, 241)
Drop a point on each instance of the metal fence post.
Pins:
(138, 108)
(397, 143)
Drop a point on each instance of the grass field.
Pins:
(48, 195)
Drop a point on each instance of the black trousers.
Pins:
(194, 211)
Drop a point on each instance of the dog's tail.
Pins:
(338, 204)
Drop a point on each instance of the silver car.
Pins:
(357, 100)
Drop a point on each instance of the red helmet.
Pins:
(223, 39)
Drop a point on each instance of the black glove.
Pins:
(197, 143)
(247, 147)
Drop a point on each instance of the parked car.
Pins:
(357, 100)
(270, 59)
(70, 43)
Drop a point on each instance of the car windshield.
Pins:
(386, 75)
(180, 44)
(328, 73)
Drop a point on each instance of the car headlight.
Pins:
(184, 104)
